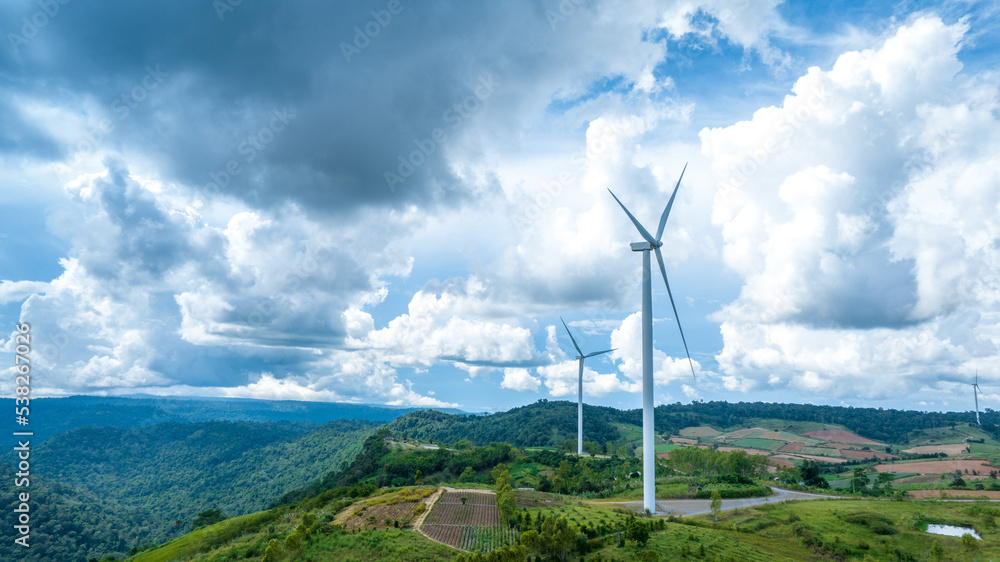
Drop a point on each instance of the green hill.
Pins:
(105, 490)
(358, 521)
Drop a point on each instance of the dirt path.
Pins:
(700, 507)
(429, 502)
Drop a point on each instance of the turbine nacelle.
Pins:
(653, 244)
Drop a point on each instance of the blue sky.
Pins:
(394, 203)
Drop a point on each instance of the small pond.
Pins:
(952, 531)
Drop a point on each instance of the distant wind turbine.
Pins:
(651, 243)
(975, 389)
(579, 393)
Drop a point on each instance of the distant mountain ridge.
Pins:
(52, 416)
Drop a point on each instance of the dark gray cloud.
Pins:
(358, 88)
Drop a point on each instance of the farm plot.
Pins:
(745, 450)
(382, 516)
(953, 449)
(841, 436)
(821, 451)
(786, 436)
(792, 447)
(855, 454)
(741, 433)
(937, 467)
(758, 443)
(470, 525)
(699, 431)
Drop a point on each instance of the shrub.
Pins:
(879, 524)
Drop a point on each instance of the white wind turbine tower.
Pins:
(651, 243)
(975, 389)
(579, 394)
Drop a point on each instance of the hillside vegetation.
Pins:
(108, 491)
(105, 490)
(356, 520)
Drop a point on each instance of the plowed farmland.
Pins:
(937, 467)
(474, 524)
(841, 436)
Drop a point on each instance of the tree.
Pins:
(859, 483)
(937, 551)
(555, 539)
(272, 552)
(207, 517)
(810, 471)
(418, 477)
(969, 543)
(637, 531)
(716, 505)
(883, 484)
(506, 503)
(467, 474)
(499, 475)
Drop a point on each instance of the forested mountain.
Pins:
(541, 424)
(52, 416)
(104, 490)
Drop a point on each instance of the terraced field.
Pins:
(470, 525)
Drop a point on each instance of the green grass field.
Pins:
(793, 427)
(756, 443)
(664, 447)
(819, 451)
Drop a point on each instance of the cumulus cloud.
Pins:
(627, 341)
(856, 215)
(519, 380)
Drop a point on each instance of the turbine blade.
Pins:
(663, 270)
(571, 336)
(645, 233)
(663, 217)
(598, 353)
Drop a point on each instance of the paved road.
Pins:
(699, 507)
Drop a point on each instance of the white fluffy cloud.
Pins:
(519, 380)
(627, 341)
(861, 215)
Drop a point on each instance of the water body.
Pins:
(952, 531)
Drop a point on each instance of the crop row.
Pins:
(472, 537)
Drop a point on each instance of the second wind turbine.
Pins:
(651, 244)
(579, 394)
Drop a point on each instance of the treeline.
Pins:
(551, 423)
(542, 424)
(695, 461)
(52, 416)
(891, 426)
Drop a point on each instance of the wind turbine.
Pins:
(651, 244)
(975, 388)
(579, 393)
